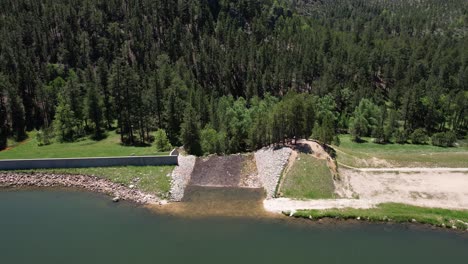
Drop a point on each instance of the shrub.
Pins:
(446, 139)
(336, 141)
(358, 127)
(401, 136)
(161, 141)
(379, 135)
(211, 141)
(419, 136)
(44, 137)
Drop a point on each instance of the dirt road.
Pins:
(413, 169)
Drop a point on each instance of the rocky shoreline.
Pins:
(89, 183)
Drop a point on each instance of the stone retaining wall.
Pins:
(29, 164)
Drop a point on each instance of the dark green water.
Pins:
(76, 227)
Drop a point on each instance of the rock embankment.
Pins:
(89, 183)
(181, 177)
(270, 164)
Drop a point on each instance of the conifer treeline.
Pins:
(225, 69)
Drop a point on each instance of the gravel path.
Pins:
(270, 165)
(181, 177)
(90, 183)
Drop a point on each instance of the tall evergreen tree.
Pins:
(190, 132)
(4, 129)
(94, 105)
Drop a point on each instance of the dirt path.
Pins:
(410, 169)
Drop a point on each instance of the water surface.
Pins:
(56, 226)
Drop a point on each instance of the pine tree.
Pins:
(190, 132)
(4, 129)
(161, 141)
(93, 108)
(103, 82)
(18, 122)
(327, 130)
(65, 124)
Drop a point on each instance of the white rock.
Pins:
(270, 165)
(181, 176)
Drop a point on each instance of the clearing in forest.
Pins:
(108, 147)
(371, 155)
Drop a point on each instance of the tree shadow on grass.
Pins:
(360, 141)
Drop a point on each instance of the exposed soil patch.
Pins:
(319, 152)
(222, 171)
(249, 174)
(427, 188)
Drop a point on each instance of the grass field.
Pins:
(107, 147)
(152, 179)
(369, 154)
(396, 213)
(308, 178)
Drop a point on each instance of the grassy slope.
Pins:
(396, 213)
(153, 179)
(309, 178)
(83, 148)
(352, 153)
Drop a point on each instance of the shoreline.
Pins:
(391, 213)
(84, 182)
(15, 180)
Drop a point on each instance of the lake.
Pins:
(57, 226)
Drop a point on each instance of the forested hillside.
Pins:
(232, 75)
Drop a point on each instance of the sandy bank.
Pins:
(426, 188)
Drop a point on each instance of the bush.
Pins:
(419, 136)
(211, 141)
(446, 139)
(379, 135)
(161, 141)
(44, 137)
(401, 137)
(336, 141)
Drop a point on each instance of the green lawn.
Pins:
(309, 178)
(107, 147)
(362, 154)
(152, 179)
(395, 213)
